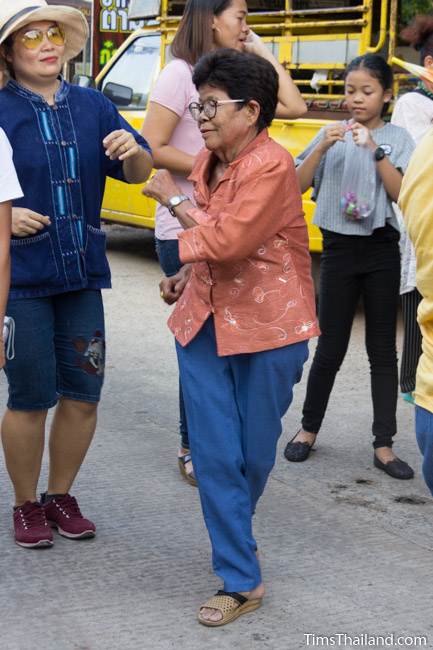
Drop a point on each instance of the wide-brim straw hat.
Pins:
(15, 14)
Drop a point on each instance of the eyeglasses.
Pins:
(209, 107)
(35, 37)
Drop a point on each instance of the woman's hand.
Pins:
(307, 169)
(172, 288)
(332, 134)
(254, 44)
(26, 222)
(121, 145)
(161, 187)
(290, 102)
(362, 136)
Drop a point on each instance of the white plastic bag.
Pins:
(358, 185)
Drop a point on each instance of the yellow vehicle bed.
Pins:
(314, 38)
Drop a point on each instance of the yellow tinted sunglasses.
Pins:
(35, 37)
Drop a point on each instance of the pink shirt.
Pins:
(174, 90)
(251, 267)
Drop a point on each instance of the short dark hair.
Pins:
(194, 36)
(242, 76)
(378, 68)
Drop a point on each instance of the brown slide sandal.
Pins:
(231, 605)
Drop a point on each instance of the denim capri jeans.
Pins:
(59, 350)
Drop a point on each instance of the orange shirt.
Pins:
(251, 266)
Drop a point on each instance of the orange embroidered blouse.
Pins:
(251, 266)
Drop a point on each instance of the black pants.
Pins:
(412, 342)
(354, 267)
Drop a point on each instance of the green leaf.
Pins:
(409, 9)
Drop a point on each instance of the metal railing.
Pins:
(369, 26)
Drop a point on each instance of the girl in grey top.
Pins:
(360, 256)
(395, 142)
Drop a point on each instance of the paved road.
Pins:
(344, 548)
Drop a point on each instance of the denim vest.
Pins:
(62, 168)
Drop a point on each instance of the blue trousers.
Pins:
(424, 436)
(234, 407)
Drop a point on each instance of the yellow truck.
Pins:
(313, 39)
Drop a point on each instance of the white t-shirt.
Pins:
(9, 185)
(414, 112)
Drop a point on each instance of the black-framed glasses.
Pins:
(209, 107)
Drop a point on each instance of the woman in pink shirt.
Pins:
(243, 320)
(173, 134)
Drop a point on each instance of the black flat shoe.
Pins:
(396, 468)
(297, 452)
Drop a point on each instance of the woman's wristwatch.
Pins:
(174, 201)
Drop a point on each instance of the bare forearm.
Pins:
(307, 169)
(182, 216)
(175, 161)
(391, 178)
(5, 260)
(137, 168)
(5, 270)
(290, 102)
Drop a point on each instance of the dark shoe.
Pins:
(188, 476)
(396, 468)
(62, 512)
(297, 452)
(31, 528)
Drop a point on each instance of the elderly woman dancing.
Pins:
(245, 309)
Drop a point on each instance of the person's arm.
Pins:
(172, 288)
(5, 267)
(10, 189)
(25, 222)
(162, 187)
(158, 128)
(137, 162)
(307, 169)
(291, 105)
(254, 215)
(137, 167)
(391, 177)
(128, 155)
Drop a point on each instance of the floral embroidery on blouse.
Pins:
(251, 267)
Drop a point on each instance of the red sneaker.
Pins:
(64, 514)
(31, 528)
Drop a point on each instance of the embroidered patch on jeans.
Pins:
(92, 354)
